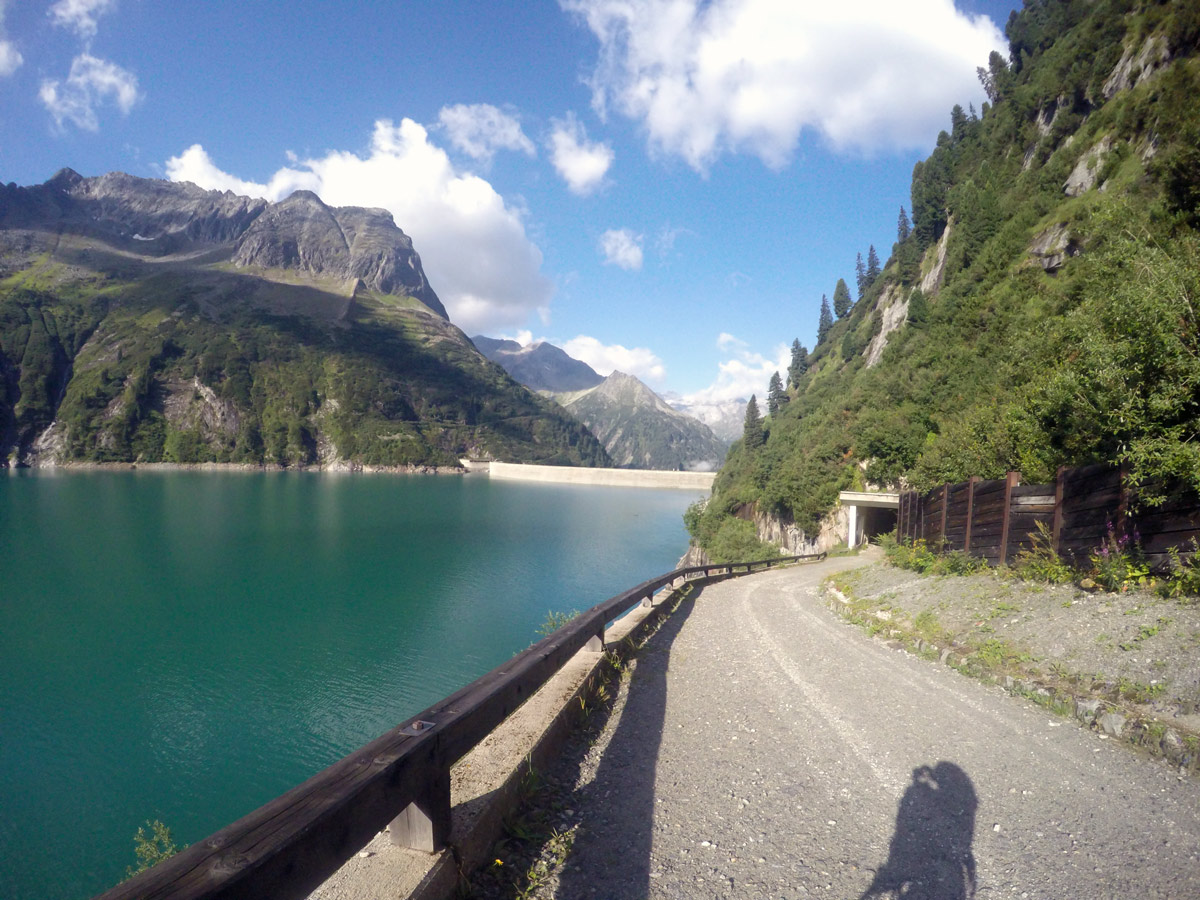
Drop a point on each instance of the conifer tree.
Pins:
(799, 364)
(903, 227)
(873, 267)
(752, 431)
(860, 276)
(777, 397)
(826, 320)
(841, 299)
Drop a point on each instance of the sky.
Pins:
(665, 187)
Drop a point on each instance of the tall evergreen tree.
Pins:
(903, 227)
(752, 431)
(860, 276)
(825, 322)
(873, 267)
(798, 365)
(841, 299)
(777, 397)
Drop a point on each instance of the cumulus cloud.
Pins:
(621, 247)
(581, 163)
(480, 129)
(91, 83)
(608, 358)
(707, 77)
(473, 245)
(743, 373)
(80, 15)
(10, 56)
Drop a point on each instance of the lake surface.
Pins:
(184, 646)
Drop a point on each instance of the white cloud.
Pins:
(10, 56)
(480, 129)
(622, 248)
(732, 76)
(608, 358)
(80, 15)
(91, 82)
(581, 163)
(743, 374)
(473, 245)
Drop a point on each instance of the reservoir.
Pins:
(184, 646)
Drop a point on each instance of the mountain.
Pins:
(540, 366)
(1041, 310)
(726, 418)
(147, 320)
(640, 430)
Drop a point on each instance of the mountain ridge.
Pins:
(147, 320)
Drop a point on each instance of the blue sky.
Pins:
(662, 186)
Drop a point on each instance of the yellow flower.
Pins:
(499, 862)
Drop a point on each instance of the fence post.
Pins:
(425, 823)
(945, 509)
(1058, 517)
(1011, 480)
(971, 482)
(1123, 503)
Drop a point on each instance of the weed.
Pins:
(1040, 562)
(555, 620)
(151, 849)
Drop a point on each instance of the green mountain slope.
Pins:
(1043, 309)
(141, 320)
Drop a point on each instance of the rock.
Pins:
(1133, 69)
(1083, 177)
(1086, 584)
(1112, 723)
(1052, 247)
(894, 307)
(932, 282)
(1087, 710)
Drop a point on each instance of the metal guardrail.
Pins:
(290, 845)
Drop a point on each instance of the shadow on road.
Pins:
(930, 857)
(611, 853)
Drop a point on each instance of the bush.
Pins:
(151, 849)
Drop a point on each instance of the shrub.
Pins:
(151, 849)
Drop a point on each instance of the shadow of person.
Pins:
(930, 857)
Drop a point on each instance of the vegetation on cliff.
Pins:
(1042, 308)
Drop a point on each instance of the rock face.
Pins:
(640, 430)
(1052, 247)
(894, 308)
(540, 366)
(156, 218)
(347, 243)
(1083, 177)
(726, 418)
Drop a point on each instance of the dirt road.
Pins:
(764, 749)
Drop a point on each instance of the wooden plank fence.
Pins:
(290, 845)
(996, 520)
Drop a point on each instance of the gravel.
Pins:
(760, 747)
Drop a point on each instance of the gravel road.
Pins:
(761, 748)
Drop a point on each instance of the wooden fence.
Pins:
(289, 846)
(996, 520)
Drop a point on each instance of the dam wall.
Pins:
(643, 478)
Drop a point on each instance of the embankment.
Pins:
(643, 478)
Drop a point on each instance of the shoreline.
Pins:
(340, 469)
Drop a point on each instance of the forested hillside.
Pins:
(142, 320)
(1038, 309)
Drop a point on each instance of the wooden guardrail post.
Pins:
(1011, 480)
(425, 823)
(971, 482)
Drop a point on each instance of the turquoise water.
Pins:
(187, 645)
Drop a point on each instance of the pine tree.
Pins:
(873, 267)
(777, 397)
(903, 227)
(752, 432)
(799, 364)
(841, 299)
(825, 322)
(860, 275)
